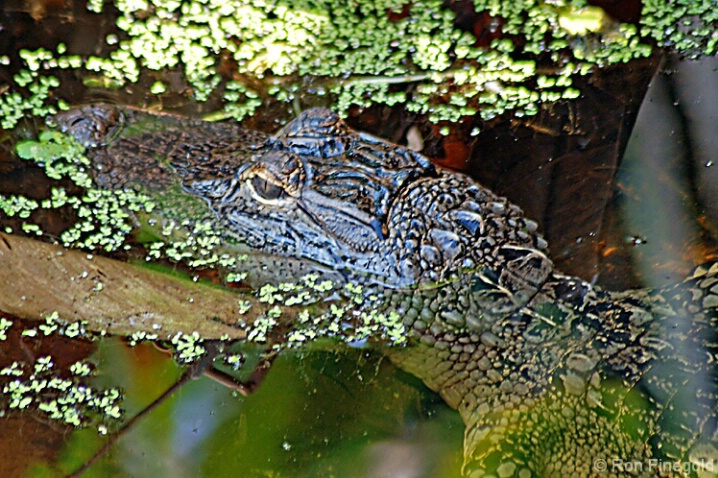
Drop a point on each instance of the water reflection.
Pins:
(324, 414)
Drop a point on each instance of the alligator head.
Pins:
(353, 203)
(320, 193)
(325, 198)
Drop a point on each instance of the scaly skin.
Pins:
(550, 374)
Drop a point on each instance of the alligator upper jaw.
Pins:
(262, 269)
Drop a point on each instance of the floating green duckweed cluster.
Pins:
(360, 50)
(187, 347)
(104, 217)
(687, 26)
(69, 400)
(364, 52)
(196, 242)
(234, 361)
(62, 396)
(5, 325)
(352, 315)
(53, 324)
(37, 100)
(140, 336)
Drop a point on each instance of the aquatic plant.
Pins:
(363, 53)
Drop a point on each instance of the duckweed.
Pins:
(5, 325)
(69, 400)
(188, 348)
(105, 217)
(363, 53)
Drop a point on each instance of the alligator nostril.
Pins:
(77, 121)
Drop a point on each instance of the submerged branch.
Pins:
(113, 296)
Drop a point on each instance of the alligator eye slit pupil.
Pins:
(266, 189)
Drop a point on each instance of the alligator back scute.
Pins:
(634, 389)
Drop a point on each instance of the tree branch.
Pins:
(120, 298)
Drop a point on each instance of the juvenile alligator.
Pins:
(553, 377)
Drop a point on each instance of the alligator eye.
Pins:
(266, 189)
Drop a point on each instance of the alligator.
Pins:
(552, 375)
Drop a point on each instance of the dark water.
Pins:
(348, 413)
(668, 184)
